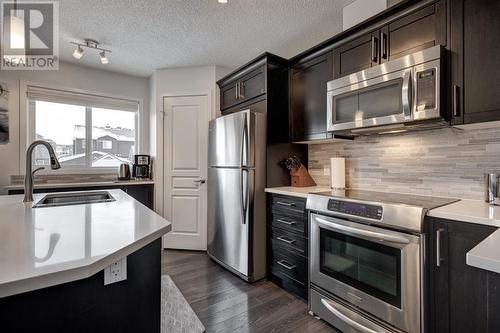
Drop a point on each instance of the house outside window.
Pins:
(107, 144)
(75, 122)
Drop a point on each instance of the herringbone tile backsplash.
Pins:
(446, 162)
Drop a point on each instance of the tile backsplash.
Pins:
(446, 162)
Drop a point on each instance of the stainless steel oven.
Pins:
(397, 95)
(367, 259)
(375, 269)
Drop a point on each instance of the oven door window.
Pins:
(370, 267)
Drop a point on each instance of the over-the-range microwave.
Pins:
(401, 94)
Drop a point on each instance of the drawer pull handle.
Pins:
(285, 222)
(288, 204)
(286, 240)
(288, 266)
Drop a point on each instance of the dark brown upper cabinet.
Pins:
(357, 55)
(308, 98)
(410, 33)
(475, 54)
(260, 85)
(247, 87)
(414, 32)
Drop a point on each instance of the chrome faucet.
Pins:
(28, 177)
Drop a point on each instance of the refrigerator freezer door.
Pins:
(230, 206)
(231, 140)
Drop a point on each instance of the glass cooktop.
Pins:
(421, 201)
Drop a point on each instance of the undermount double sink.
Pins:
(69, 199)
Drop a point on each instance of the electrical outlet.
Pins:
(326, 171)
(116, 272)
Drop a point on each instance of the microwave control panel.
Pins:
(356, 209)
(426, 89)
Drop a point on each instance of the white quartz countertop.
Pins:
(42, 247)
(472, 211)
(297, 191)
(83, 184)
(486, 255)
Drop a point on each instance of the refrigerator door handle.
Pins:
(244, 143)
(244, 195)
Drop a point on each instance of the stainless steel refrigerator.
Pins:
(236, 198)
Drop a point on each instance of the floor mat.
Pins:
(177, 316)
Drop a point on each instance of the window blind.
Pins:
(83, 99)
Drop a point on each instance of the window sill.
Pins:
(78, 171)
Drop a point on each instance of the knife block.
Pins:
(301, 177)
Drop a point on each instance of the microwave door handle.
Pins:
(406, 94)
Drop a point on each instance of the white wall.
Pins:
(177, 82)
(72, 77)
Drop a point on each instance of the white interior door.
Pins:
(185, 171)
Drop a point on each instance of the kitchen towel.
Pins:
(337, 172)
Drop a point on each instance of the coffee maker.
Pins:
(142, 166)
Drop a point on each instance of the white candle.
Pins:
(337, 172)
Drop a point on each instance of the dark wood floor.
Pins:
(225, 303)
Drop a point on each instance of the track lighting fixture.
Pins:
(90, 44)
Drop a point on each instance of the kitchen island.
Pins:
(52, 262)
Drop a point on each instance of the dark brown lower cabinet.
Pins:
(287, 243)
(461, 298)
(87, 305)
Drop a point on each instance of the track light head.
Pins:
(78, 54)
(104, 59)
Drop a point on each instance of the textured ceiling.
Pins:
(151, 34)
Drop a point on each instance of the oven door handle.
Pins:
(346, 319)
(366, 233)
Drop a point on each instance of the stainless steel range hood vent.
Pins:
(397, 128)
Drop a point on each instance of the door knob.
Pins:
(200, 181)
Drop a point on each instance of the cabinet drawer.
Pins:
(289, 204)
(290, 264)
(289, 241)
(289, 284)
(295, 224)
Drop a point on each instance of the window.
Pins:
(107, 144)
(86, 131)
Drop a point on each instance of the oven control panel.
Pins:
(356, 209)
